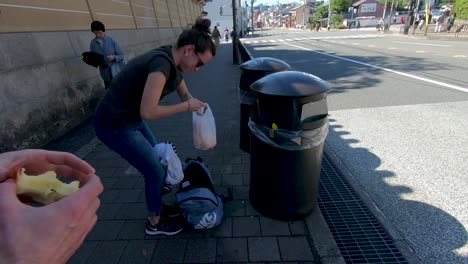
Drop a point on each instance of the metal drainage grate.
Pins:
(359, 235)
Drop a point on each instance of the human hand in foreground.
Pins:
(194, 104)
(52, 233)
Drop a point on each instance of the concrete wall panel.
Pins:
(174, 13)
(47, 89)
(53, 15)
(144, 13)
(162, 13)
(114, 14)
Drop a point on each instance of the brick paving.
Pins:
(244, 236)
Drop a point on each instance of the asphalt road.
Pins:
(398, 121)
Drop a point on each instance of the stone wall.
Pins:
(46, 89)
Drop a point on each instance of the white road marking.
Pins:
(424, 44)
(462, 89)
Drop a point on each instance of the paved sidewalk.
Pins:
(244, 236)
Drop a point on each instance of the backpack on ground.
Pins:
(201, 206)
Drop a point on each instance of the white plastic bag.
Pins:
(204, 129)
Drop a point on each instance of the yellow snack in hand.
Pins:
(44, 188)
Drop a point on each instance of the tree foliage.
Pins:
(398, 4)
(340, 5)
(336, 20)
(461, 9)
(320, 13)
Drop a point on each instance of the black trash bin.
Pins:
(289, 125)
(253, 70)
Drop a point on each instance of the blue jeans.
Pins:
(136, 145)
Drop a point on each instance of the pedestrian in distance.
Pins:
(422, 21)
(439, 23)
(106, 46)
(216, 35)
(50, 233)
(358, 26)
(134, 97)
(226, 35)
(451, 21)
(380, 25)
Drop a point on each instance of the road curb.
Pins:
(324, 243)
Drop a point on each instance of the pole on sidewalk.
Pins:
(409, 17)
(252, 15)
(235, 40)
(428, 14)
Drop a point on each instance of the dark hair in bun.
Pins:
(202, 25)
(199, 36)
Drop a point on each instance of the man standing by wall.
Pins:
(110, 49)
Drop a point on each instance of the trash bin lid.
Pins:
(290, 84)
(266, 64)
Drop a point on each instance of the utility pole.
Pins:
(241, 31)
(235, 40)
(409, 18)
(384, 10)
(252, 15)
(428, 11)
(329, 13)
(303, 13)
(391, 13)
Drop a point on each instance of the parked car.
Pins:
(423, 13)
(435, 14)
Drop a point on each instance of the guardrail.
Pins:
(244, 53)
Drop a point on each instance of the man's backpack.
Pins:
(201, 206)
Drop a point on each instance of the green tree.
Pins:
(461, 9)
(320, 13)
(399, 4)
(340, 5)
(336, 20)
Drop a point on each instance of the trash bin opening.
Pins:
(292, 140)
(246, 97)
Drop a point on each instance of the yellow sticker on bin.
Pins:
(272, 130)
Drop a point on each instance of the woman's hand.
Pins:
(194, 104)
(52, 233)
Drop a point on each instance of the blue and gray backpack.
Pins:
(201, 206)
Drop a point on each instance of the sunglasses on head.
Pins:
(200, 62)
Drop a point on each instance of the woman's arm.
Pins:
(184, 95)
(149, 107)
(183, 92)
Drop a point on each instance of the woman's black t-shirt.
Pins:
(120, 106)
